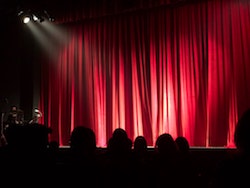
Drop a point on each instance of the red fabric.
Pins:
(184, 70)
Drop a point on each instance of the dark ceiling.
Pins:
(9, 9)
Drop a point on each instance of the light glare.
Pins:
(26, 20)
(35, 18)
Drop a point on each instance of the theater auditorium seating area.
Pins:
(29, 157)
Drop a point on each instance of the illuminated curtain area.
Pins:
(184, 70)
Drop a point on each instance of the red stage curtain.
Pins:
(182, 69)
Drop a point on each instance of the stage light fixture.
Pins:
(35, 16)
(26, 19)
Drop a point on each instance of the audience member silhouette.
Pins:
(166, 146)
(118, 163)
(119, 143)
(142, 163)
(83, 142)
(188, 169)
(234, 171)
(183, 145)
(140, 147)
(166, 162)
(82, 167)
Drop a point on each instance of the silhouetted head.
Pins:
(140, 144)
(242, 132)
(119, 142)
(165, 144)
(83, 140)
(182, 143)
(120, 134)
